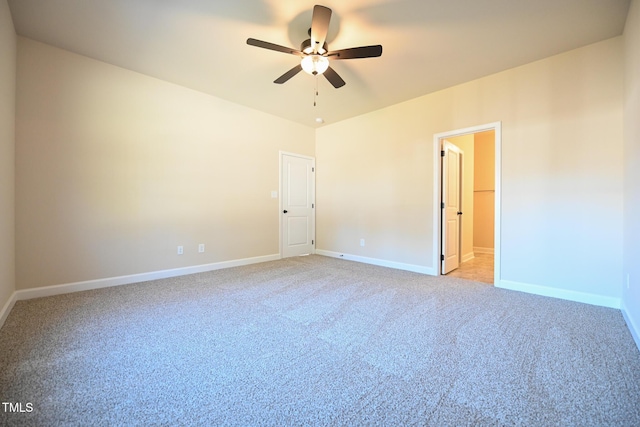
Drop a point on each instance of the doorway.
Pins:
(297, 205)
(476, 233)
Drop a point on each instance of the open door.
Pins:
(451, 158)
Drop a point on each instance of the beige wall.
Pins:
(116, 169)
(466, 144)
(484, 191)
(631, 299)
(7, 157)
(561, 171)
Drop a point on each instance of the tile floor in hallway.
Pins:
(479, 269)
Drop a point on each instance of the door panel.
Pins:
(297, 230)
(451, 198)
(299, 188)
(297, 214)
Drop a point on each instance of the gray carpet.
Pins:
(316, 341)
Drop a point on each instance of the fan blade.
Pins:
(319, 26)
(272, 46)
(334, 78)
(286, 76)
(357, 52)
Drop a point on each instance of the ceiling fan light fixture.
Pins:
(314, 52)
(314, 64)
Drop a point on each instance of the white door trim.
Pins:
(437, 211)
(280, 189)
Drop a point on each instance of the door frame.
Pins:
(280, 208)
(437, 188)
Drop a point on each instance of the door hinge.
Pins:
(441, 257)
(313, 242)
(313, 205)
(313, 169)
(442, 205)
(442, 153)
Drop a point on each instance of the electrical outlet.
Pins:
(201, 248)
(362, 242)
(180, 250)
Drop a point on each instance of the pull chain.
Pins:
(315, 92)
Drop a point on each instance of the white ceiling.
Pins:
(428, 44)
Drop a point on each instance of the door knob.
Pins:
(285, 211)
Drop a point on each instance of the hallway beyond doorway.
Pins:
(479, 269)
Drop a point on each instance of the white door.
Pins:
(297, 212)
(451, 202)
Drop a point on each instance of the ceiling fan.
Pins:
(314, 52)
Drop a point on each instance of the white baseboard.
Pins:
(468, 257)
(47, 291)
(633, 327)
(483, 250)
(4, 312)
(565, 294)
(379, 262)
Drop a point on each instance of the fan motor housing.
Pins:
(306, 47)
